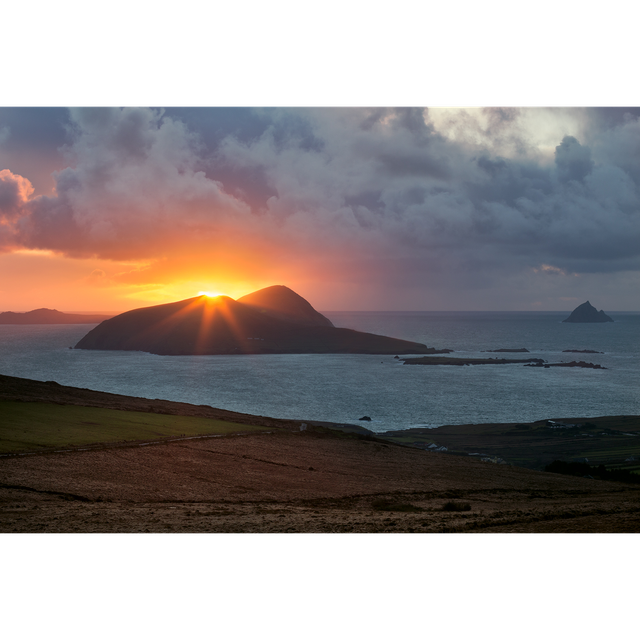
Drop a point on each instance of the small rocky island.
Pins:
(582, 364)
(588, 313)
(432, 360)
(581, 351)
(528, 362)
(272, 320)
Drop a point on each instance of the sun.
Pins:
(210, 294)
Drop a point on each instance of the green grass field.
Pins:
(610, 440)
(32, 426)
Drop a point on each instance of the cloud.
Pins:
(550, 269)
(133, 188)
(456, 198)
(97, 278)
(15, 192)
(573, 160)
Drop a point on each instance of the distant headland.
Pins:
(50, 316)
(588, 313)
(272, 320)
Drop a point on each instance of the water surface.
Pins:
(343, 388)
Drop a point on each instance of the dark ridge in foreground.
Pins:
(588, 313)
(49, 316)
(273, 320)
(313, 480)
(25, 390)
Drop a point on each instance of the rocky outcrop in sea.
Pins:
(588, 313)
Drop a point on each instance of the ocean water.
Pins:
(343, 388)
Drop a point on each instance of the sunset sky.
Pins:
(109, 209)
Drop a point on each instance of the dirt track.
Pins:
(298, 482)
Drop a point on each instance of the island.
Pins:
(587, 313)
(581, 351)
(528, 362)
(274, 320)
(430, 360)
(574, 363)
(50, 316)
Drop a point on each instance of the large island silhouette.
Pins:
(586, 312)
(272, 320)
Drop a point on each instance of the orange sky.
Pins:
(34, 279)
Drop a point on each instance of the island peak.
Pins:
(283, 303)
(272, 320)
(586, 312)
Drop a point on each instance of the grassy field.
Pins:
(32, 426)
(611, 440)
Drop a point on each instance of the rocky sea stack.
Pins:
(588, 313)
(272, 320)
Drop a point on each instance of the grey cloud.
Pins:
(133, 188)
(573, 160)
(384, 183)
(414, 164)
(10, 200)
(413, 120)
(427, 193)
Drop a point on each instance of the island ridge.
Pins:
(272, 320)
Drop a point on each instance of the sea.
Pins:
(344, 388)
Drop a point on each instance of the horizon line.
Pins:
(115, 313)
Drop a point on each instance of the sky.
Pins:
(354, 208)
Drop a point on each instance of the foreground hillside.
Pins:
(285, 477)
(298, 482)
